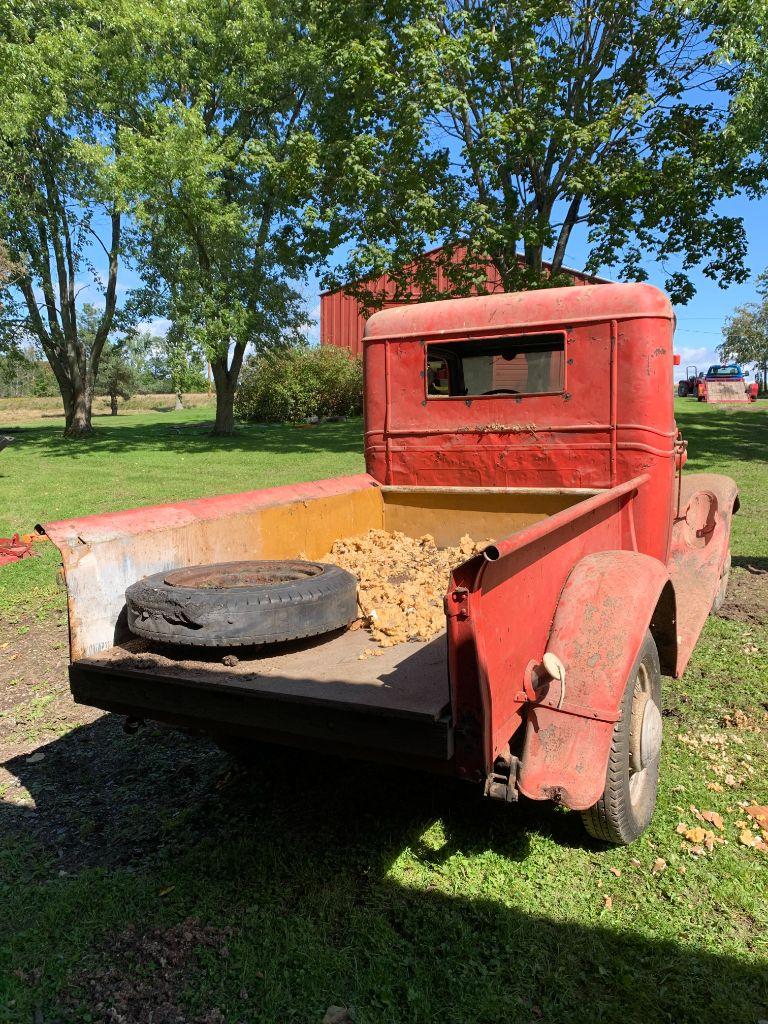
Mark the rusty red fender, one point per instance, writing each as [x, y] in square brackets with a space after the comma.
[605, 608]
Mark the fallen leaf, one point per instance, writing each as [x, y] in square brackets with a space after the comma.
[759, 814]
[682, 869]
[714, 787]
[607, 902]
[164, 892]
[659, 865]
[713, 818]
[34, 758]
[695, 834]
[635, 862]
[729, 780]
[615, 871]
[746, 838]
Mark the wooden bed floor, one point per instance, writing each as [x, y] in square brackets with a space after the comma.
[408, 680]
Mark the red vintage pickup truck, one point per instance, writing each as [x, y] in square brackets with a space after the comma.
[543, 420]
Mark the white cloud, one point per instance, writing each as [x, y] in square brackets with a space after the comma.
[693, 353]
[158, 326]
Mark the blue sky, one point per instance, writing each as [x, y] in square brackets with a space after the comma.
[700, 323]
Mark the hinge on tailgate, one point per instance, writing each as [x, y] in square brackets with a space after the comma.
[456, 605]
[501, 783]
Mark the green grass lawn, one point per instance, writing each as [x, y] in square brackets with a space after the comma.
[144, 460]
[404, 897]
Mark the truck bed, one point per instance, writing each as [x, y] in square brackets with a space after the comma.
[317, 689]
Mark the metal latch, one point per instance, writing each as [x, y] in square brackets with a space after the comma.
[456, 604]
[501, 783]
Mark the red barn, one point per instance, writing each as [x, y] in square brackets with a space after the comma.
[342, 325]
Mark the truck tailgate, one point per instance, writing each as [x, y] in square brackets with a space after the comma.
[395, 702]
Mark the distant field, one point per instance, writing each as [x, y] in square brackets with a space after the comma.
[20, 410]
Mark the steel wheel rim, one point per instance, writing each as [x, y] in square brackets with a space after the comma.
[645, 736]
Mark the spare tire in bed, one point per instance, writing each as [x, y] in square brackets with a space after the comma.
[237, 603]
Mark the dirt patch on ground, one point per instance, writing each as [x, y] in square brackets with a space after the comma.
[71, 781]
[747, 596]
[401, 581]
[144, 976]
[33, 675]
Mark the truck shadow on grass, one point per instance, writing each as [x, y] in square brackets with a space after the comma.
[100, 799]
[342, 883]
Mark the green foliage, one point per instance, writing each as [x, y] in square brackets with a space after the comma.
[291, 385]
[746, 332]
[117, 377]
[23, 374]
[543, 119]
[184, 362]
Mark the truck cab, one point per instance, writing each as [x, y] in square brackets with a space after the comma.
[542, 421]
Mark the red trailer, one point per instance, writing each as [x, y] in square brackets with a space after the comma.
[542, 420]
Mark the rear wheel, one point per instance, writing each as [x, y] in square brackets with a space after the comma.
[626, 807]
[722, 588]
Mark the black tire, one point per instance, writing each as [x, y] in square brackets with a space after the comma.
[626, 807]
[234, 604]
[682, 389]
[722, 588]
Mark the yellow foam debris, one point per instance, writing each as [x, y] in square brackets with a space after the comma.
[401, 581]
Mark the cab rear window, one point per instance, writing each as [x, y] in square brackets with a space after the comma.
[531, 364]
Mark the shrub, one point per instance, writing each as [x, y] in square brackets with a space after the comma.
[295, 384]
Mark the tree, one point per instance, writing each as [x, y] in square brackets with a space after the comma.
[8, 269]
[746, 332]
[59, 117]
[9, 272]
[184, 363]
[116, 378]
[229, 171]
[610, 121]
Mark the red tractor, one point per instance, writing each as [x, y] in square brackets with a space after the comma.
[686, 388]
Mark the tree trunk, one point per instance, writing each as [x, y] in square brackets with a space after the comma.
[225, 377]
[113, 404]
[224, 425]
[78, 415]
